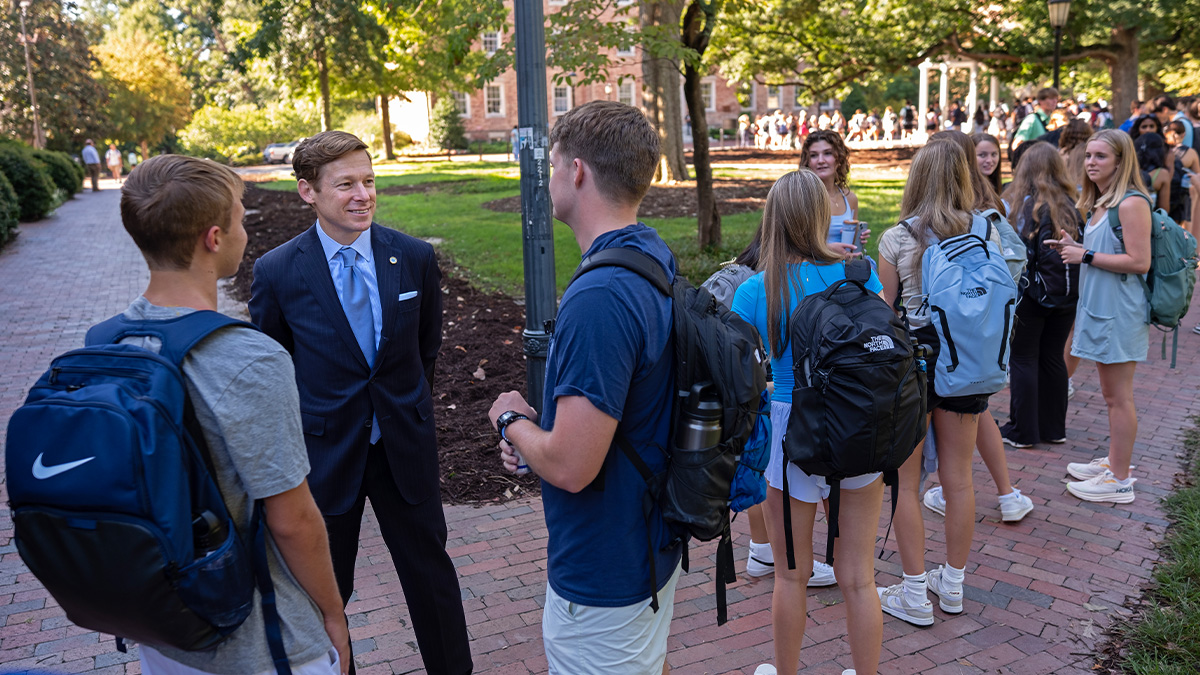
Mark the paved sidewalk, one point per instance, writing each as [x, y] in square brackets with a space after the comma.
[1039, 593]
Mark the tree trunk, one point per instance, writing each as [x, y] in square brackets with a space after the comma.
[697, 29]
[386, 124]
[661, 89]
[323, 77]
[145, 150]
[1123, 69]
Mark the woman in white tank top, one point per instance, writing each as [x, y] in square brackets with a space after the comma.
[826, 154]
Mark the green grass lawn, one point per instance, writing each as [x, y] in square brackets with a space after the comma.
[487, 244]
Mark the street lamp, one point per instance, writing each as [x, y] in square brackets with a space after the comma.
[1059, 9]
[38, 141]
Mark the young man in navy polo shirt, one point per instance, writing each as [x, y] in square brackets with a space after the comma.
[609, 373]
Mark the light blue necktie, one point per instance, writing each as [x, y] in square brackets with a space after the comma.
[356, 302]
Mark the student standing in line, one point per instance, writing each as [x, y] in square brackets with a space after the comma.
[937, 204]
[1111, 325]
[796, 262]
[1043, 197]
[1014, 506]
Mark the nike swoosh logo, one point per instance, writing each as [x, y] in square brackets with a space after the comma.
[42, 472]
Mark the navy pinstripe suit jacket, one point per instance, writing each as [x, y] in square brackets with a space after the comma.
[293, 300]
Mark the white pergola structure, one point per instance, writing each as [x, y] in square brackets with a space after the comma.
[944, 67]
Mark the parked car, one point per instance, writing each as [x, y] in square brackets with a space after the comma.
[280, 152]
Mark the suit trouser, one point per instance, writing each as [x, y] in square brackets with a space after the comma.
[1037, 374]
[94, 171]
[415, 535]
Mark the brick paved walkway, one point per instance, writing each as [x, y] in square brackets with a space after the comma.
[1039, 593]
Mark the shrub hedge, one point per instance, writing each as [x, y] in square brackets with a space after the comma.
[8, 209]
[30, 179]
[62, 170]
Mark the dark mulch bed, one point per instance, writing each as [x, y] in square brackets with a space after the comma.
[679, 200]
[480, 357]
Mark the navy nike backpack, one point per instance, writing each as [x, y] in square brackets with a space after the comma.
[114, 505]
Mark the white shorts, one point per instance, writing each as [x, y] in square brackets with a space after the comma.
[803, 487]
[154, 663]
[629, 640]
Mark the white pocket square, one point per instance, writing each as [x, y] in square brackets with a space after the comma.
[408, 296]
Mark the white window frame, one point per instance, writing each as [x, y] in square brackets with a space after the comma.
[492, 34]
[465, 99]
[632, 90]
[777, 96]
[486, 106]
[709, 85]
[558, 2]
[570, 98]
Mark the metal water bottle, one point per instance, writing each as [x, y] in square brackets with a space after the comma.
[699, 419]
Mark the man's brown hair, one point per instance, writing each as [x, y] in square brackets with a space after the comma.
[169, 201]
[616, 141]
[315, 152]
[1047, 92]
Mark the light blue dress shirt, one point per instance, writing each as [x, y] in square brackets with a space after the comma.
[365, 264]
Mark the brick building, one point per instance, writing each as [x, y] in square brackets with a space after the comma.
[490, 113]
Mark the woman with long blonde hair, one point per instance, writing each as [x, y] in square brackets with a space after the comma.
[1111, 325]
[1043, 200]
[937, 204]
[796, 262]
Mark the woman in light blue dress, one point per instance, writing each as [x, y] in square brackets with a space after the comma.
[1112, 319]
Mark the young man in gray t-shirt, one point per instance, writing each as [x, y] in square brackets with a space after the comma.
[243, 388]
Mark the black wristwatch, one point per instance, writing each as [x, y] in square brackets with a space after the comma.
[1087, 257]
[507, 418]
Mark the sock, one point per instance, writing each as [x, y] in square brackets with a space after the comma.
[761, 552]
[915, 589]
[1124, 483]
[954, 575]
[1010, 497]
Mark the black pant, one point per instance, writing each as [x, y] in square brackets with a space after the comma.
[415, 535]
[1038, 374]
[94, 172]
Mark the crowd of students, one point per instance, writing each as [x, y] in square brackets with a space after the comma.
[1080, 199]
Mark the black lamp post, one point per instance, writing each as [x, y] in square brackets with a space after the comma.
[1059, 9]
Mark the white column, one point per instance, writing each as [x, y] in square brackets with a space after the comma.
[944, 89]
[922, 99]
[993, 91]
[972, 98]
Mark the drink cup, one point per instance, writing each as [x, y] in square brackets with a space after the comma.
[522, 467]
[849, 230]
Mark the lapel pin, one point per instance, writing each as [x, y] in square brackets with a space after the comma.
[392, 260]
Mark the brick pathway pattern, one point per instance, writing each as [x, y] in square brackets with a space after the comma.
[1039, 594]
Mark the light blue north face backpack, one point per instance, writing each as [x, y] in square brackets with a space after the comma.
[970, 298]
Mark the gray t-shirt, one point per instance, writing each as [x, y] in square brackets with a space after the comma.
[243, 387]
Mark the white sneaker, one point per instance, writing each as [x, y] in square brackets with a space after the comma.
[934, 501]
[1012, 511]
[765, 669]
[756, 566]
[822, 575]
[1071, 387]
[949, 598]
[894, 601]
[1103, 488]
[1091, 469]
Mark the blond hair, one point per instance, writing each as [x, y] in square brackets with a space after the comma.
[939, 194]
[169, 201]
[1127, 176]
[794, 229]
[1042, 176]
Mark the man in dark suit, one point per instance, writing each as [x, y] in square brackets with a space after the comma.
[359, 307]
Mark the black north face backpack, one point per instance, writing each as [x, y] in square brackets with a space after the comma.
[718, 357]
[859, 400]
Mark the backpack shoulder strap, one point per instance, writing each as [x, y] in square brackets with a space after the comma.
[630, 259]
[178, 335]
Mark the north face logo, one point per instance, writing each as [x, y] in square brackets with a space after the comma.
[880, 343]
[977, 292]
